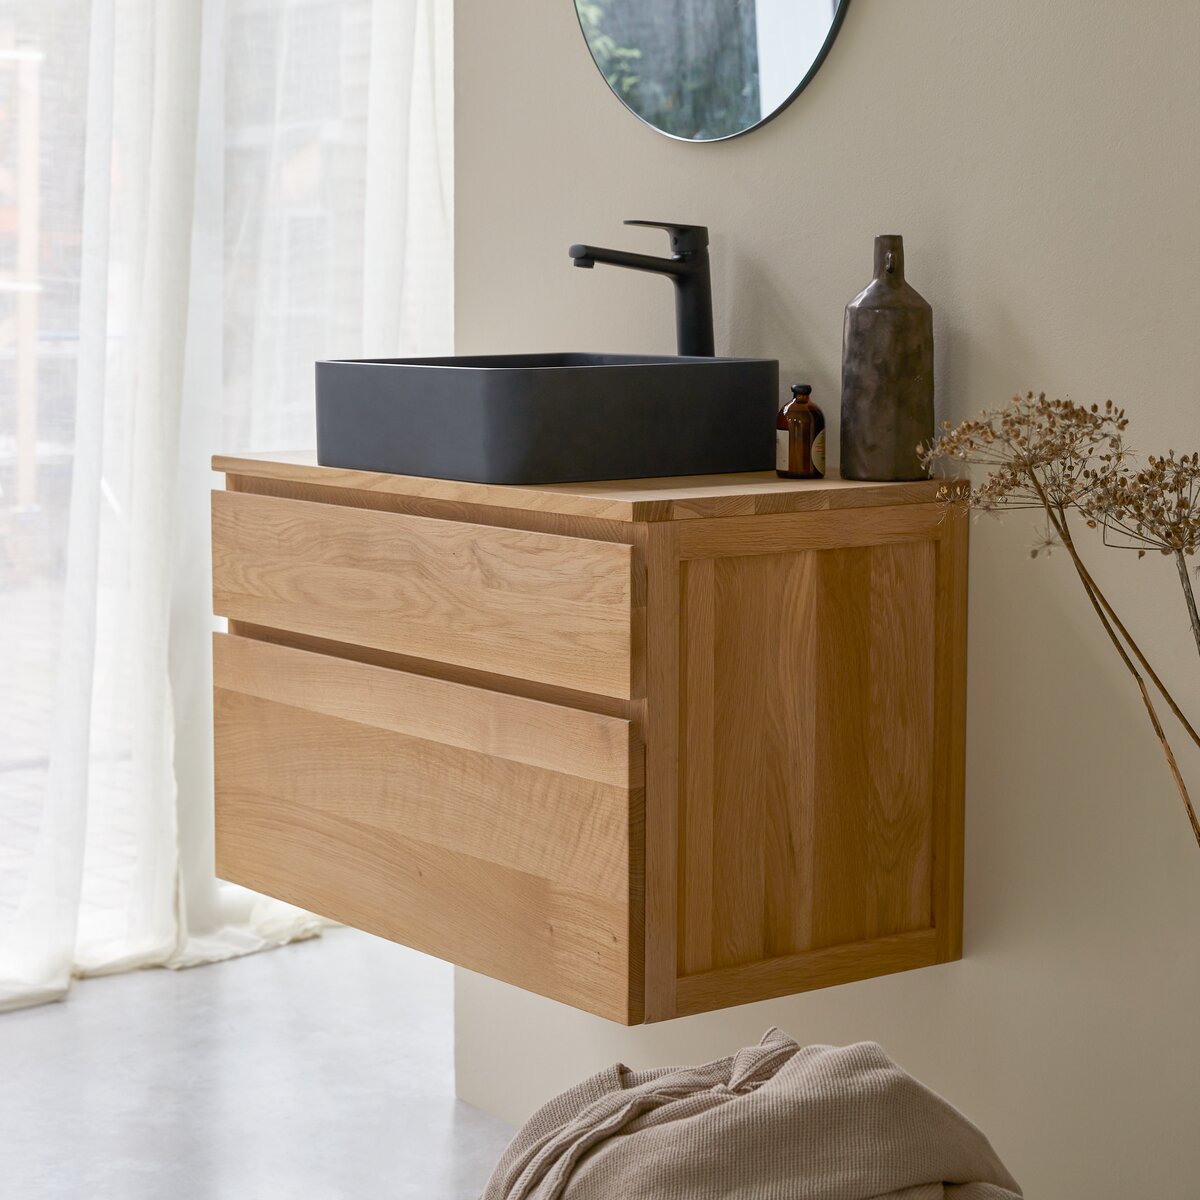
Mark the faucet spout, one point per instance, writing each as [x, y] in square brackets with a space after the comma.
[589, 256]
[688, 268]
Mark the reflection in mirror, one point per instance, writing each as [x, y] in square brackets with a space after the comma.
[708, 69]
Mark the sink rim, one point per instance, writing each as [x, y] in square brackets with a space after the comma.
[520, 362]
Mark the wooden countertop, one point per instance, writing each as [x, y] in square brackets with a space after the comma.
[673, 498]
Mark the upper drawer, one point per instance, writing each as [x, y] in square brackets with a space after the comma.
[532, 605]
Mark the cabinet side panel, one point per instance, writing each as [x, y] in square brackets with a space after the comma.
[873, 803]
[808, 751]
[951, 720]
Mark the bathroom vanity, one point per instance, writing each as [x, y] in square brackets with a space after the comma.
[649, 748]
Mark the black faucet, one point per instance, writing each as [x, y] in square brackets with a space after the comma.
[687, 267]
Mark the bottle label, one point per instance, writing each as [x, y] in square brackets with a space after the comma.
[783, 440]
[818, 452]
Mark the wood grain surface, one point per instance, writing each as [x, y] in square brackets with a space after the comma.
[809, 747]
[513, 602]
[673, 498]
[768, 978]
[658, 725]
[486, 829]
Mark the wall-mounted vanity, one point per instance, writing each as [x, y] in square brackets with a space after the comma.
[649, 748]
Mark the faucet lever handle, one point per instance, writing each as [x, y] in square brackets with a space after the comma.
[685, 239]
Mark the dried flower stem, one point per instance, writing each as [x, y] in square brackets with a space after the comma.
[1171, 763]
[1189, 596]
[1058, 520]
[1100, 604]
[1058, 456]
[1094, 589]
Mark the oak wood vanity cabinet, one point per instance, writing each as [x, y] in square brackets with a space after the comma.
[649, 748]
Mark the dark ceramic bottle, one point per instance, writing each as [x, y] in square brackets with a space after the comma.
[887, 373]
[800, 437]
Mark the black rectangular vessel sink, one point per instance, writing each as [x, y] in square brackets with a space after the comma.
[548, 418]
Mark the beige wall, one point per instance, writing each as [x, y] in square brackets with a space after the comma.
[1043, 163]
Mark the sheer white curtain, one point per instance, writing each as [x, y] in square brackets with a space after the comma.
[197, 199]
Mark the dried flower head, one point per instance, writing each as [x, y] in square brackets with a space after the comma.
[1038, 451]
[1156, 508]
[1041, 454]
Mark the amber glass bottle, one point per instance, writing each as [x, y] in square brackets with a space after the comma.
[800, 437]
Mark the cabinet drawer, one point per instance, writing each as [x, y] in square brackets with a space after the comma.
[536, 606]
[498, 832]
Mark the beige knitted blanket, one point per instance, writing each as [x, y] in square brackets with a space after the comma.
[774, 1122]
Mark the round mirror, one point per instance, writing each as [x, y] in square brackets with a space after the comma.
[703, 70]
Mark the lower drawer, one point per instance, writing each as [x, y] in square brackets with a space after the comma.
[500, 833]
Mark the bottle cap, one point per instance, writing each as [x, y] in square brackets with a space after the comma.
[801, 389]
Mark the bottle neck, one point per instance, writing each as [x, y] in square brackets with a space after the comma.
[889, 258]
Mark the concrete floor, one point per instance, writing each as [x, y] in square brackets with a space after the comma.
[319, 1071]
